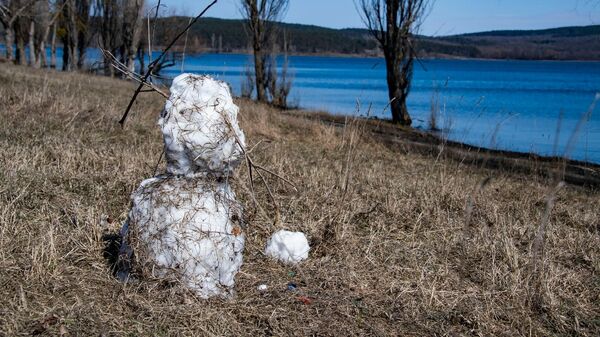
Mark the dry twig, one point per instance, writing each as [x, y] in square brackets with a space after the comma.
[153, 64]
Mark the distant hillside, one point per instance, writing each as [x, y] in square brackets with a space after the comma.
[230, 36]
[556, 32]
[567, 43]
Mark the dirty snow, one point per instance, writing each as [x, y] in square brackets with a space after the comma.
[190, 230]
[185, 226]
[288, 247]
[199, 125]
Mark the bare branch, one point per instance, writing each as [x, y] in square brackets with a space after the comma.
[151, 66]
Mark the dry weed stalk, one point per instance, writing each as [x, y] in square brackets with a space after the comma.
[538, 246]
[253, 167]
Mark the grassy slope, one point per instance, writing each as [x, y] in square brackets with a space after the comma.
[391, 252]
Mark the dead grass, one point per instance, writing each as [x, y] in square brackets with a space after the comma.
[391, 255]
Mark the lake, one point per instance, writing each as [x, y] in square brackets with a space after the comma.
[509, 105]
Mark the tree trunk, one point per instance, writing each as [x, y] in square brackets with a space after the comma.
[42, 58]
[81, 27]
[65, 58]
[53, 47]
[397, 91]
[81, 55]
[260, 75]
[141, 56]
[70, 60]
[21, 58]
[9, 38]
[132, 27]
[32, 57]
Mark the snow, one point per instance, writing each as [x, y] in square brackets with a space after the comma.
[189, 230]
[288, 247]
[185, 226]
[199, 125]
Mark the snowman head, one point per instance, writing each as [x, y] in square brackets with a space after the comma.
[200, 127]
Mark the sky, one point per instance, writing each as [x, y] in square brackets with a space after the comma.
[447, 17]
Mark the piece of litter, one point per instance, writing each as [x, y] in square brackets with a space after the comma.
[291, 286]
[262, 287]
[304, 300]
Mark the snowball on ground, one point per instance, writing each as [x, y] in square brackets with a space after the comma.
[199, 125]
[187, 230]
[288, 247]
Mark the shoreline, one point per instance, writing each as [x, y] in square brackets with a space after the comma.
[574, 172]
[370, 56]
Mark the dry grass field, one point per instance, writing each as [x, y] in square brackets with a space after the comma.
[396, 250]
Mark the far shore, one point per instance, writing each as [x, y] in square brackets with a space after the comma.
[377, 56]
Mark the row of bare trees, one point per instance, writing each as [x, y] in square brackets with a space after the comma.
[121, 24]
[119, 27]
[72, 23]
[22, 21]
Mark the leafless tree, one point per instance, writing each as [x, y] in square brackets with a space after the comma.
[10, 12]
[279, 81]
[394, 23]
[110, 27]
[132, 28]
[21, 28]
[120, 30]
[83, 30]
[261, 17]
[44, 15]
[74, 26]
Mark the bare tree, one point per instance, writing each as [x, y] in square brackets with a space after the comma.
[53, 44]
[394, 23]
[132, 28]
[44, 16]
[83, 30]
[111, 25]
[10, 12]
[69, 36]
[120, 30]
[279, 81]
[21, 28]
[261, 17]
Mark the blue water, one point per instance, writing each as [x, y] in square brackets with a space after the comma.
[509, 105]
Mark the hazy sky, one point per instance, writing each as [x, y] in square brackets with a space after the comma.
[447, 17]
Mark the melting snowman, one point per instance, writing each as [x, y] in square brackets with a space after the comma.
[185, 226]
